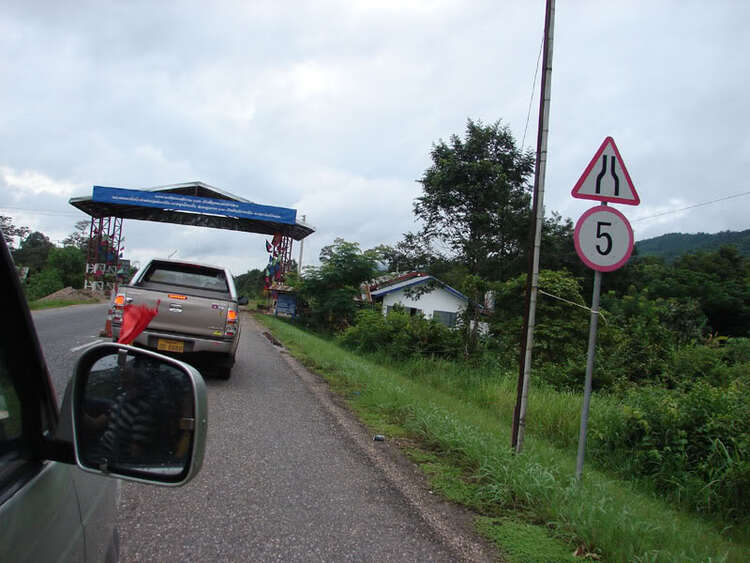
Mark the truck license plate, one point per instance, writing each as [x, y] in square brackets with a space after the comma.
[170, 345]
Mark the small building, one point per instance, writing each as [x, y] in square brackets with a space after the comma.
[421, 293]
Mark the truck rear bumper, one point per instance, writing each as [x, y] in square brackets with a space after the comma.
[182, 344]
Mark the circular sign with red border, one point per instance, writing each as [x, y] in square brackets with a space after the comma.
[603, 238]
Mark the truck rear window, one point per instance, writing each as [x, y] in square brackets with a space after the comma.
[187, 276]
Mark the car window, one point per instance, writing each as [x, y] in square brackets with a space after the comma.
[10, 407]
[188, 276]
[11, 426]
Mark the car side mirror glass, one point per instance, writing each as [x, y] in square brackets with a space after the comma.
[138, 415]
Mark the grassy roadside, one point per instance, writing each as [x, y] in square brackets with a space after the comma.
[55, 303]
[529, 504]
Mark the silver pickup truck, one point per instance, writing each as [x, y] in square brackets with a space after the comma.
[197, 317]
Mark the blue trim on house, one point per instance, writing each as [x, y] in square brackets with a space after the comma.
[417, 281]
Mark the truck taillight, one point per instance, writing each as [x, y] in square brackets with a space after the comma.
[231, 326]
[117, 307]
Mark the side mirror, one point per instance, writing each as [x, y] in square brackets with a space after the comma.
[138, 415]
[242, 300]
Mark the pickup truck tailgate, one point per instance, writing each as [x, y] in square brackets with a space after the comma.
[183, 313]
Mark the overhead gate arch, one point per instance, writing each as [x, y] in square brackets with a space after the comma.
[191, 203]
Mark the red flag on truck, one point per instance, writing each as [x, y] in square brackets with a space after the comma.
[135, 319]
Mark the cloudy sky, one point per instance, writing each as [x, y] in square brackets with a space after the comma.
[331, 108]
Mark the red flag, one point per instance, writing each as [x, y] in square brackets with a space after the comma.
[135, 319]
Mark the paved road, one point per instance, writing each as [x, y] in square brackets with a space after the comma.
[65, 333]
[284, 478]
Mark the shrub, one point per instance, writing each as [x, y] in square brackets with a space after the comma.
[692, 444]
[400, 335]
[42, 284]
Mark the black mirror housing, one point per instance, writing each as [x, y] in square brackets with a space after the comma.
[138, 415]
[242, 300]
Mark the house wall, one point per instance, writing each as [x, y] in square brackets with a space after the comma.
[437, 300]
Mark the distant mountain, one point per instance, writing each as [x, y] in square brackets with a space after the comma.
[673, 245]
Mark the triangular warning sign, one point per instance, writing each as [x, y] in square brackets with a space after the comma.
[606, 178]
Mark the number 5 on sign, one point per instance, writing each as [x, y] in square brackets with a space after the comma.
[603, 238]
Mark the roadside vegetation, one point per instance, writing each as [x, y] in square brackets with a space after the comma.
[56, 303]
[454, 420]
[44, 267]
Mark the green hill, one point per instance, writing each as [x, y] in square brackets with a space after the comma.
[672, 245]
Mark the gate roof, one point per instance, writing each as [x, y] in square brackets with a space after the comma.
[151, 211]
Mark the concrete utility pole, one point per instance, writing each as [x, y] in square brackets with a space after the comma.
[532, 280]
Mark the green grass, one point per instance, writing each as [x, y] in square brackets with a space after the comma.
[512, 494]
[54, 303]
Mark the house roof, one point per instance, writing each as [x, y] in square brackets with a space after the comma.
[391, 278]
[417, 280]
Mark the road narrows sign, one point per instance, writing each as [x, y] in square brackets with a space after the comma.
[603, 238]
[606, 178]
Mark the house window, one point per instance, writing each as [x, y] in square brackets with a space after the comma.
[412, 311]
[445, 317]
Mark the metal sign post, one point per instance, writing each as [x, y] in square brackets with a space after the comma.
[589, 372]
[604, 241]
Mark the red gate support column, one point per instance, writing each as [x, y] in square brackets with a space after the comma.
[103, 255]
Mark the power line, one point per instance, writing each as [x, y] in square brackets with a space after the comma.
[40, 211]
[691, 207]
[533, 88]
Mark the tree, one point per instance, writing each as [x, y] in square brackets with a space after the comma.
[558, 248]
[43, 283]
[476, 199]
[33, 251]
[79, 237]
[330, 290]
[719, 281]
[70, 264]
[412, 253]
[251, 283]
[11, 232]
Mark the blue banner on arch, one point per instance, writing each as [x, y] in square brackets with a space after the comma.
[194, 204]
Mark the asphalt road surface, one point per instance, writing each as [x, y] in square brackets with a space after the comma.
[288, 475]
[65, 333]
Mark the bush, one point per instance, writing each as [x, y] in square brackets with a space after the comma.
[400, 335]
[43, 284]
[693, 444]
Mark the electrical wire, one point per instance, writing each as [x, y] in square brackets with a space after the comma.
[571, 303]
[533, 89]
[39, 211]
[690, 207]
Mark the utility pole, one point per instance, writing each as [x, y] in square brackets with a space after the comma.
[532, 279]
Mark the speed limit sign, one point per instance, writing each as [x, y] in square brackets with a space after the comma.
[603, 238]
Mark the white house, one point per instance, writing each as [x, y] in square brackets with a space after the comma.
[420, 293]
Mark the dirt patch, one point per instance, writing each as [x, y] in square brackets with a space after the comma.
[70, 294]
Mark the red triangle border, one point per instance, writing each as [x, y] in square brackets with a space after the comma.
[587, 171]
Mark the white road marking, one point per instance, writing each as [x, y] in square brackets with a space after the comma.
[89, 345]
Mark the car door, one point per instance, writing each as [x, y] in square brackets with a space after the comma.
[39, 514]
[40, 504]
